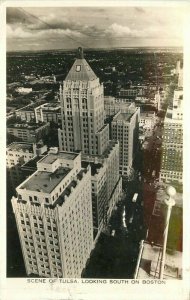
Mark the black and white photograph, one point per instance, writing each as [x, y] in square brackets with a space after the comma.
[94, 145]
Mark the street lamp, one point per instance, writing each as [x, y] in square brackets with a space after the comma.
[171, 191]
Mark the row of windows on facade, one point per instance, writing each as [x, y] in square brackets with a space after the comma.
[69, 112]
[172, 134]
[171, 166]
[171, 154]
[173, 140]
[120, 135]
[68, 100]
[176, 147]
[39, 220]
[120, 128]
[36, 218]
[52, 222]
[43, 257]
[172, 125]
[18, 155]
[42, 249]
[71, 107]
[168, 176]
[84, 124]
[37, 225]
[44, 266]
[173, 129]
[121, 143]
[173, 157]
[86, 141]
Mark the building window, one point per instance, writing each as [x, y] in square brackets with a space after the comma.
[78, 68]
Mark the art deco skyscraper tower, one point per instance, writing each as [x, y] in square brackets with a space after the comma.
[82, 104]
[83, 129]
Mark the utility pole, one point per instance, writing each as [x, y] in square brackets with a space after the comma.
[169, 203]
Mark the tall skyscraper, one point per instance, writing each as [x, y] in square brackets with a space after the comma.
[83, 129]
[125, 127]
[82, 108]
[53, 211]
[172, 146]
[62, 207]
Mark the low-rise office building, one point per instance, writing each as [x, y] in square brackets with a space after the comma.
[18, 154]
[45, 112]
[147, 119]
[28, 132]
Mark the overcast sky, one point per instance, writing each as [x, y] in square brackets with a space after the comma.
[65, 28]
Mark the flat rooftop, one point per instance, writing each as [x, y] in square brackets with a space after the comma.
[43, 181]
[147, 114]
[51, 107]
[22, 147]
[25, 125]
[123, 117]
[31, 107]
[51, 157]
[108, 100]
[32, 163]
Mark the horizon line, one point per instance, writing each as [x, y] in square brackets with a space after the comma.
[99, 48]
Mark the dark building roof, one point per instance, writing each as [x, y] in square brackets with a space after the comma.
[31, 165]
[94, 166]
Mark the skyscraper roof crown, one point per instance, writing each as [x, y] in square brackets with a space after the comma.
[81, 69]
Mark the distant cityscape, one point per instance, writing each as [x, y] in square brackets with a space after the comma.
[95, 163]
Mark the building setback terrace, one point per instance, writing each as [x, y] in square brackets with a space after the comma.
[50, 158]
[94, 167]
[107, 152]
[45, 182]
[67, 191]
